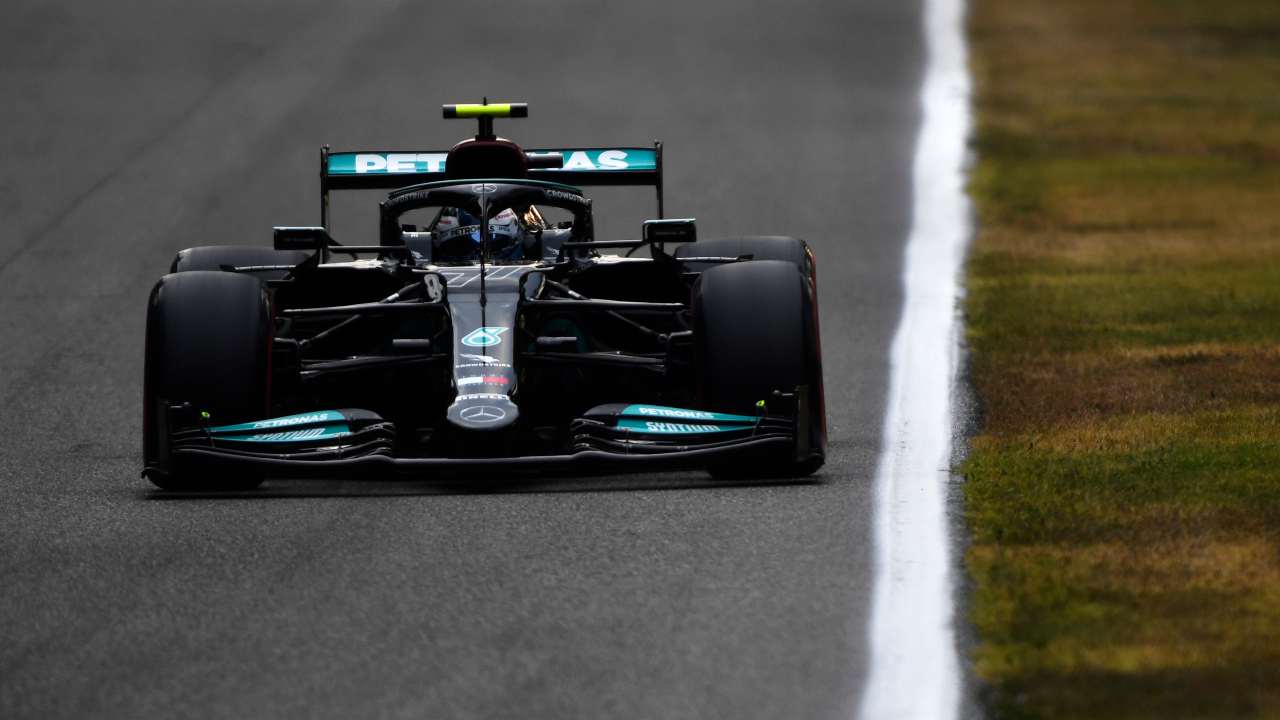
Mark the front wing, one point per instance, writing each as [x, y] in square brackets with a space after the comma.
[611, 438]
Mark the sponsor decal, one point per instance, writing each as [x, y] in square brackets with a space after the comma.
[482, 396]
[605, 160]
[482, 414]
[393, 163]
[562, 195]
[484, 188]
[483, 380]
[666, 427]
[659, 411]
[464, 231]
[299, 435]
[287, 421]
[294, 435]
[292, 420]
[486, 336]
[673, 412]
[487, 366]
[406, 163]
[479, 359]
[661, 427]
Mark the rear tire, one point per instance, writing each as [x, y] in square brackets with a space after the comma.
[755, 325]
[209, 340]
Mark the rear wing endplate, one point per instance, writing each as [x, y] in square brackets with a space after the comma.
[387, 169]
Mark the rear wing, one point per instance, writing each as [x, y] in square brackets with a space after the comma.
[387, 169]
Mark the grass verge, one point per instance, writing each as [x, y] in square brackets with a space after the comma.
[1123, 314]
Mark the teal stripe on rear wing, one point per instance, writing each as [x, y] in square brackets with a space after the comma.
[375, 169]
[388, 169]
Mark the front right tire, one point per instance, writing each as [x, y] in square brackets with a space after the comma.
[756, 331]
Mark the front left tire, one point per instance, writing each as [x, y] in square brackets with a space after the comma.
[209, 337]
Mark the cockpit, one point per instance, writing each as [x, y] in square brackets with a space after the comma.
[513, 235]
[527, 221]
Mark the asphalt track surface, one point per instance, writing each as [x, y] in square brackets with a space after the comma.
[131, 130]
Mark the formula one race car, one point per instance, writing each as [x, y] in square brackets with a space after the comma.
[484, 333]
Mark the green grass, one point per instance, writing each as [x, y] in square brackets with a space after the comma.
[1123, 315]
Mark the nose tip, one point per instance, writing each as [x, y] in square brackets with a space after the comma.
[482, 412]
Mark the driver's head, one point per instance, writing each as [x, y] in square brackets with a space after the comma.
[456, 236]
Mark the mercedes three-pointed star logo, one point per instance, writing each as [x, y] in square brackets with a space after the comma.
[482, 414]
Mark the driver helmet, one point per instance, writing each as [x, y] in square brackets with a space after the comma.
[456, 236]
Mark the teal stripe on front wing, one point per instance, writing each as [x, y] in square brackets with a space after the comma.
[664, 427]
[307, 434]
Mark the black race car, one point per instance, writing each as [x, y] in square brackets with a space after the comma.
[485, 333]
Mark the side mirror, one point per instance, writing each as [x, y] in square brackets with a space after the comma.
[659, 232]
[300, 238]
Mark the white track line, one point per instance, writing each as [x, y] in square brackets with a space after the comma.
[914, 669]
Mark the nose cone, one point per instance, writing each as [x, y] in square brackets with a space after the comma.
[482, 412]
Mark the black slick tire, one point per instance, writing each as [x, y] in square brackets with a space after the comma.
[755, 329]
[209, 338]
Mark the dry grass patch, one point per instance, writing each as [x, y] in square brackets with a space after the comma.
[1134, 433]
[1124, 317]
[1077, 625]
[1078, 391]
